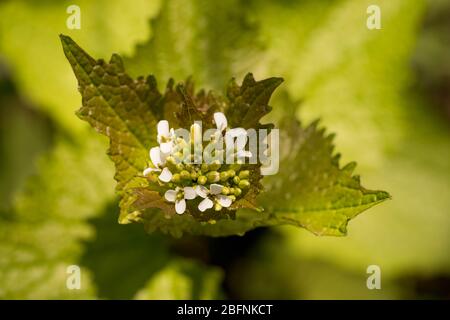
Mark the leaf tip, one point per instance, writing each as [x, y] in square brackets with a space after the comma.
[383, 195]
[66, 41]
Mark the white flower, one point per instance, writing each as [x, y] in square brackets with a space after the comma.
[165, 175]
[187, 193]
[170, 146]
[214, 190]
[147, 171]
[158, 160]
[221, 121]
[165, 137]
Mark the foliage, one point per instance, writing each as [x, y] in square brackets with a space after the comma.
[357, 81]
[125, 110]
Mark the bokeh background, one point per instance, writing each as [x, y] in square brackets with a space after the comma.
[385, 93]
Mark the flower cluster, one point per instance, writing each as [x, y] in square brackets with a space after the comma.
[183, 175]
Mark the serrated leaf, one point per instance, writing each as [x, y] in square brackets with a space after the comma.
[124, 110]
[249, 102]
[146, 199]
[311, 190]
[361, 87]
[117, 105]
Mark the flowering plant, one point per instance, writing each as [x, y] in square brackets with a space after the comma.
[176, 183]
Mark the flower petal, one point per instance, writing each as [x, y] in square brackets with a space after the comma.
[147, 171]
[163, 128]
[155, 156]
[224, 201]
[205, 204]
[170, 195]
[166, 147]
[215, 188]
[189, 193]
[180, 206]
[220, 120]
[202, 191]
[165, 175]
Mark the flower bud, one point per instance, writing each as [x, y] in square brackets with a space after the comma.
[243, 184]
[171, 160]
[185, 175]
[224, 176]
[178, 156]
[236, 179]
[202, 180]
[171, 163]
[225, 190]
[204, 167]
[176, 178]
[213, 176]
[244, 174]
[180, 167]
[235, 166]
[215, 165]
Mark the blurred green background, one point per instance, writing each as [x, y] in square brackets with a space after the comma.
[386, 93]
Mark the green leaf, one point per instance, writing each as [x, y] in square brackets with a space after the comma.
[118, 107]
[124, 109]
[183, 279]
[31, 47]
[211, 40]
[24, 135]
[361, 87]
[63, 218]
[249, 102]
[311, 190]
[43, 235]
